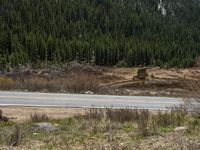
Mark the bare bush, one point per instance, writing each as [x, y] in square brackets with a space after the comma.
[16, 138]
[121, 115]
[96, 114]
[142, 121]
[37, 117]
[72, 82]
[192, 100]
[168, 118]
[7, 83]
[81, 82]
[38, 84]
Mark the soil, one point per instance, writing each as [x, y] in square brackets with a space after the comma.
[21, 114]
[106, 80]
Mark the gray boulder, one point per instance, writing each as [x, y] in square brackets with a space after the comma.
[44, 126]
[180, 129]
[89, 92]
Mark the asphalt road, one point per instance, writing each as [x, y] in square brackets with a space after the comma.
[86, 101]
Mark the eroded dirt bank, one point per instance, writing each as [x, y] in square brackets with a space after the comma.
[78, 78]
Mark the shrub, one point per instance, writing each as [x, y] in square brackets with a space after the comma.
[192, 100]
[121, 115]
[7, 83]
[16, 137]
[142, 121]
[37, 84]
[91, 114]
[169, 118]
[37, 117]
[77, 83]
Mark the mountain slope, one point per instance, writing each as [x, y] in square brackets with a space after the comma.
[103, 32]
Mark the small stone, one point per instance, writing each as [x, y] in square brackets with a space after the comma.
[35, 133]
[89, 92]
[181, 128]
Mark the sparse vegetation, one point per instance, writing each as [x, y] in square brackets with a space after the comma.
[81, 82]
[78, 82]
[192, 99]
[7, 83]
[37, 117]
[77, 78]
[107, 129]
[16, 138]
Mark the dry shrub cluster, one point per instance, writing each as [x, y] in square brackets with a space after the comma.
[96, 114]
[121, 115]
[38, 84]
[77, 83]
[192, 100]
[16, 138]
[73, 83]
[37, 117]
[12, 136]
[7, 83]
[169, 118]
[142, 121]
[147, 122]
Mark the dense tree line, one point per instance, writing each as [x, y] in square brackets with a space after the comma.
[103, 32]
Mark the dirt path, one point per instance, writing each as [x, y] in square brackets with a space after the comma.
[20, 114]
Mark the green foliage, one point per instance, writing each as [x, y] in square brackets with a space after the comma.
[106, 32]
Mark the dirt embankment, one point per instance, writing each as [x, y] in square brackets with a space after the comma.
[22, 114]
[78, 78]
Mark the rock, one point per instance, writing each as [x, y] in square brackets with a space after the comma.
[2, 118]
[153, 93]
[181, 128]
[35, 134]
[89, 92]
[44, 126]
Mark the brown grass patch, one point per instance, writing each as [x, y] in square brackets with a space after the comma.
[37, 117]
[7, 83]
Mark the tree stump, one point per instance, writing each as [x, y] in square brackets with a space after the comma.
[142, 74]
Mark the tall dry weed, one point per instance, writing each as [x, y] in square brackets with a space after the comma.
[7, 83]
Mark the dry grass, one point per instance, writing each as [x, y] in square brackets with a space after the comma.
[192, 100]
[169, 118]
[77, 83]
[16, 138]
[95, 130]
[38, 84]
[121, 115]
[142, 121]
[37, 117]
[7, 83]
[93, 114]
[71, 83]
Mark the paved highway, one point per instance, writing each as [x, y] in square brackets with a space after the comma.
[86, 101]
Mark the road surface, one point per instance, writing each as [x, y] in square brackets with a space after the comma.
[86, 101]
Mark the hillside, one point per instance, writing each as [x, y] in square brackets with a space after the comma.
[100, 32]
